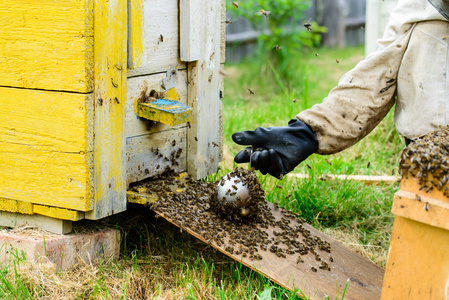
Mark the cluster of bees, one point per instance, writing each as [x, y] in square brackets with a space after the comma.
[271, 230]
[427, 159]
[172, 158]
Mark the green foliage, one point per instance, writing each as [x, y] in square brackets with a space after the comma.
[282, 34]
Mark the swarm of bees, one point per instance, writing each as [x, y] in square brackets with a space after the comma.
[427, 159]
[252, 236]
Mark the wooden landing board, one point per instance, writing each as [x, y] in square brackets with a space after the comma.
[188, 209]
[364, 277]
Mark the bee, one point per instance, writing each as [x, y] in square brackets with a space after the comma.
[444, 37]
[331, 259]
[418, 197]
[279, 186]
[263, 12]
[215, 144]
[161, 38]
[210, 78]
[251, 92]
[392, 172]
[328, 162]
[188, 125]
[212, 56]
[308, 26]
[426, 207]
[308, 166]
[294, 100]
[316, 54]
[196, 139]
[288, 196]
[228, 22]
[277, 47]
[173, 143]
[368, 164]
[313, 269]
[236, 5]
[337, 61]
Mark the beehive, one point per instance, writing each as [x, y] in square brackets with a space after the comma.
[73, 76]
[418, 263]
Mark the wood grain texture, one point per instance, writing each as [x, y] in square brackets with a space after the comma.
[57, 226]
[44, 144]
[142, 86]
[418, 262]
[47, 44]
[142, 160]
[159, 42]
[190, 29]
[364, 278]
[110, 56]
[58, 213]
[203, 95]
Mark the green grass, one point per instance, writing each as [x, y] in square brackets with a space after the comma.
[159, 261]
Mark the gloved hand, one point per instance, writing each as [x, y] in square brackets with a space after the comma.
[276, 150]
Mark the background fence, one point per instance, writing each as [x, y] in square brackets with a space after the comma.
[344, 19]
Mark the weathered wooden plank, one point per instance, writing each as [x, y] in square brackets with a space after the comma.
[223, 32]
[58, 226]
[44, 147]
[142, 86]
[363, 278]
[157, 49]
[149, 155]
[47, 44]
[189, 29]
[58, 213]
[45, 177]
[135, 32]
[49, 121]
[165, 111]
[203, 95]
[15, 206]
[110, 57]
[367, 179]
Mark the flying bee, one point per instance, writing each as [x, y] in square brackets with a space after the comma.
[236, 5]
[251, 91]
[316, 54]
[264, 13]
[309, 167]
[228, 22]
[308, 26]
[328, 162]
[279, 186]
[337, 61]
[294, 100]
[277, 47]
[368, 164]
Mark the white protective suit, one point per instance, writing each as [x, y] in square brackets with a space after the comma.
[411, 63]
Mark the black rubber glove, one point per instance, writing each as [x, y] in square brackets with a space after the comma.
[276, 150]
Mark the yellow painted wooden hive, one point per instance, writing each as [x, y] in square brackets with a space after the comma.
[73, 75]
[418, 263]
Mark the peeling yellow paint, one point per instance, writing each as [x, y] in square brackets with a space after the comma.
[110, 61]
[135, 33]
[58, 213]
[16, 206]
[44, 147]
[46, 44]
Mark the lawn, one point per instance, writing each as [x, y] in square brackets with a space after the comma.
[160, 261]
